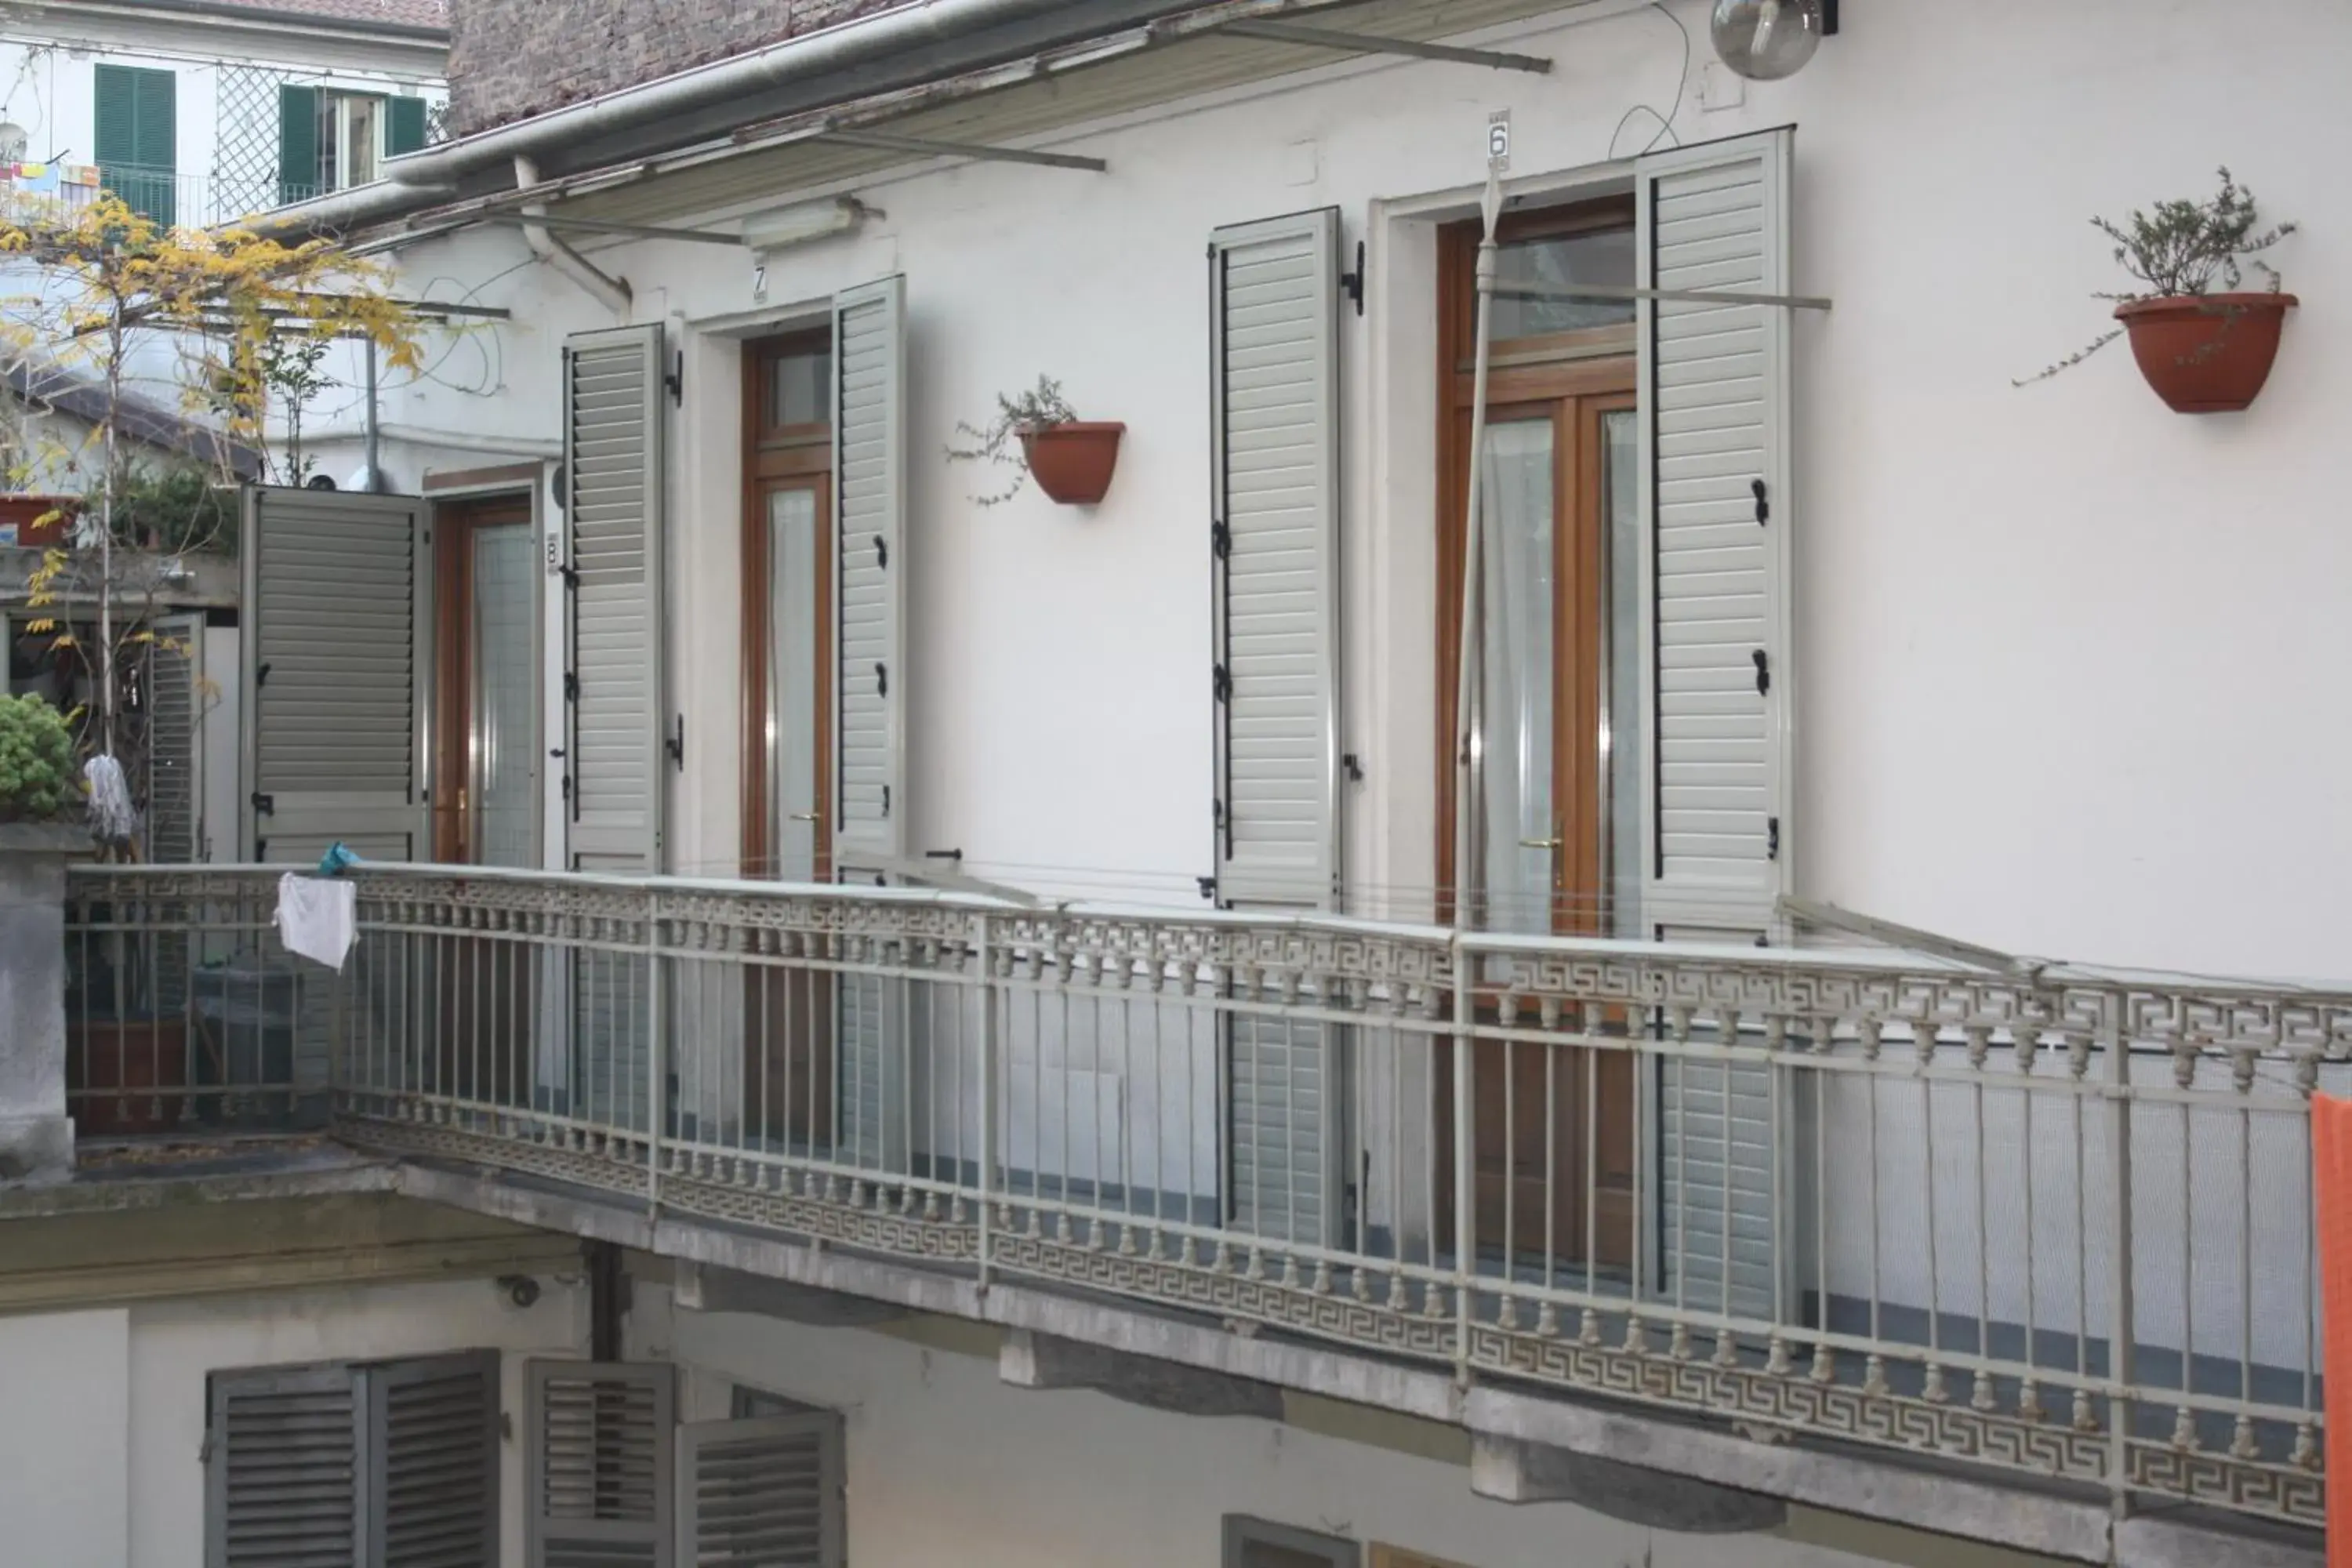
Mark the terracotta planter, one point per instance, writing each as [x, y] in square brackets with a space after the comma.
[1072, 462]
[126, 1078]
[2209, 354]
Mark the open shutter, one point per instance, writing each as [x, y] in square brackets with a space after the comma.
[281, 1468]
[612, 506]
[869, 423]
[404, 125]
[766, 1491]
[175, 706]
[1274, 402]
[136, 137]
[336, 679]
[297, 144]
[598, 1465]
[1718, 508]
[432, 1462]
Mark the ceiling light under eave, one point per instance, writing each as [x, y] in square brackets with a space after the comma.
[799, 225]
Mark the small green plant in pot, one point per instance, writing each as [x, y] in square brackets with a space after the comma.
[1071, 459]
[2203, 349]
[37, 780]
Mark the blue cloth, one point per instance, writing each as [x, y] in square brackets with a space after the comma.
[337, 860]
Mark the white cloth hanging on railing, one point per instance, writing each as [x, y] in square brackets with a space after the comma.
[317, 917]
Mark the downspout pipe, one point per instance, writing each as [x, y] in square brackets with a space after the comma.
[906, 32]
[611, 292]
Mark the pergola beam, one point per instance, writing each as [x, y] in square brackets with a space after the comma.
[1274, 32]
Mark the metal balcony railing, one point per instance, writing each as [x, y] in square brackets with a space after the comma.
[167, 197]
[2057, 1222]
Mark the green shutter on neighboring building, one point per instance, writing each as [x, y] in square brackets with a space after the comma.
[404, 125]
[297, 144]
[136, 138]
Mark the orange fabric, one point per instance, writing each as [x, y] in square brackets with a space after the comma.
[2331, 1167]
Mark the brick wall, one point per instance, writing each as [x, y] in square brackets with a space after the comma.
[512, 58]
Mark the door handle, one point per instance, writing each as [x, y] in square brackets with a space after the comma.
[1539, 843]
[805, 816]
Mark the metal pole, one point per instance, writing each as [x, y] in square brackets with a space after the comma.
[1465, 839]
[989, 1132]
[373, 434]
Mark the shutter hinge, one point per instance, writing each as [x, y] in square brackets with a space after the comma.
[1353, 282]
[1220, 540]
[1763, 672]
[1772, 838]
[1208, 888]
[881, 552]
[571, 688]
[267, 804]
[881, 680]
[676, 379]
[570, 572]
[260, 675]
[1221, 681]
[1355, 766]
[678, 742]
[204, 1449]
[1217, 812]
[885, 800]
[1763, 503]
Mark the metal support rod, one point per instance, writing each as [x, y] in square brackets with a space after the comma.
[2122, 1374]
[657, 1059]
[887, 141]
[989, 1131]
[598, 226]
[1465, 839]
[1628, 291]
[372, 442]
[1274, 32]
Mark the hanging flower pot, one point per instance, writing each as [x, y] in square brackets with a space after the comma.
[1073, 460]
[2206, 354]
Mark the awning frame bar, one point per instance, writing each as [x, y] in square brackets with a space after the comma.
[1280, 32]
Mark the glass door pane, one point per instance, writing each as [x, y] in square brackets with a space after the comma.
[505, 698]
[793, 598]
[1514, 749]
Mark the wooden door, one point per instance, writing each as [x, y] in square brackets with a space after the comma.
[1553, 1127]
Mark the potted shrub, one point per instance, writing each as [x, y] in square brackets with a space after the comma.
[2204, 350]
[1071, 458]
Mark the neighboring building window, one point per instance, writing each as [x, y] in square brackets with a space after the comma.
[331, 140]
[136, 138]
[371, 1463]
[1256, 1544]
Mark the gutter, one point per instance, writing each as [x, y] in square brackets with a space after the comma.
[341, 27]
[611, 292]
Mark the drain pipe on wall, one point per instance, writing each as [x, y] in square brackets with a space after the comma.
[612, 293]
[371, 442]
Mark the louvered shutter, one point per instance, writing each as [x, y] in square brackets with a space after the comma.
[613, 460]
[404, 125]
[598, 1465]
[297, 144]
[175, 704]
[869, 804]
[283, 1470]
[136, 137]
[767, 1491]
[336, 679]
[1274, 403]
[1716, 404]
[1718, 510]
[432, 1462]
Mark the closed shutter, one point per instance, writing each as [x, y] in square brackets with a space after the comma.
[281, 1470]
[136, 137]
[598, 1465]
[1717, 506]
[336, 677]
[613, 506]
[404, 125]
[297, 144]
[870, 574]
[767, 1491]
[1273, 403]
[433, 1462]
[174, 762]
[1717, 510]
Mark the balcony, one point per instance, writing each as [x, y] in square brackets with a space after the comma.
[168, 197]
[2055, 1224]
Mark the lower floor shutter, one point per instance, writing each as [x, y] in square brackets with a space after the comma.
[767, 1491]
[281, 1468]
[1721, 1129]
[598, 1465]
[433, 1462]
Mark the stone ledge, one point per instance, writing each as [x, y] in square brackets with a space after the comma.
[1864, 1485]
[44, 838]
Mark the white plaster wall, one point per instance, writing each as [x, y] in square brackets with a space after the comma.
[2065, 655]
[65, 1435]
[174, 1345]
[948, 1464]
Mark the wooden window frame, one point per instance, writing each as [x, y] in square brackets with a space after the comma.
[452, 720]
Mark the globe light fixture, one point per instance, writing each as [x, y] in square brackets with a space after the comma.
[1765, 40]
